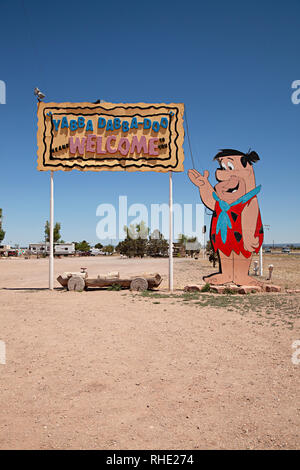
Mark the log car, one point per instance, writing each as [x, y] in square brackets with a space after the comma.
[80, 281]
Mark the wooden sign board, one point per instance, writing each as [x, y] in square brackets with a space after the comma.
[109, 136]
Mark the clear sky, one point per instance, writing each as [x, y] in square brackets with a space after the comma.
[232, 63]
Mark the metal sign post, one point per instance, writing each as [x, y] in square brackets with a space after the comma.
[51, 232]
[261, 271]
[170, 232]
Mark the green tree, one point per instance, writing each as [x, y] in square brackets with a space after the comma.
[157, 245]
[56, 232]
[140, 247]
[99, 246]
[127, 247]
[135, 243]
[108, 249]
[211, 254]
[137, 231]
[2, 233]
[142, 230]
[82, 246]
[183, 239]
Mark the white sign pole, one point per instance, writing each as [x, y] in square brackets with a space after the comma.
[51, 232]
[261, 261]
[170, 232]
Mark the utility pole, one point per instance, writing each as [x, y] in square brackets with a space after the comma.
[261, 271]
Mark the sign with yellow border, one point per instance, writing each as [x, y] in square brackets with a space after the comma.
[110, 136]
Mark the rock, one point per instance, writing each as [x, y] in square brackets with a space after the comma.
[217, 289]
[272, 288]
[293, 291]
[249, 289]
[192, 288]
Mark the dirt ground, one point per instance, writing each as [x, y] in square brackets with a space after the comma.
[121, 370]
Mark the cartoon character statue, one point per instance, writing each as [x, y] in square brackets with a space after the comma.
[236, 227]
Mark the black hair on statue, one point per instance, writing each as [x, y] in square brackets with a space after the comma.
[250, 157]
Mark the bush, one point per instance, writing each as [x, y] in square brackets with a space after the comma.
[228, 291]
[115, 287]
[205, 288]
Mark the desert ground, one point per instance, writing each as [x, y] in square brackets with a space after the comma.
[107, 369]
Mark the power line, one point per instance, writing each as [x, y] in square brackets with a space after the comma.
[188, 135]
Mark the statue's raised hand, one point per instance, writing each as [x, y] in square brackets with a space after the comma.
[197, 178]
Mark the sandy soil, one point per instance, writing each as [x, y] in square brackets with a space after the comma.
[118, 370]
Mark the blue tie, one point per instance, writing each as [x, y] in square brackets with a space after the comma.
[223, 220]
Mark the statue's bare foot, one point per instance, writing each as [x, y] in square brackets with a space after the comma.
[217, 279]
[247, 281]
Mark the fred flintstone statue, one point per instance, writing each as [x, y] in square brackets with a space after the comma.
[236, 227]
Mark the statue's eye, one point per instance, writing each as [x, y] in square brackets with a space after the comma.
[223, 166]
[230, 166]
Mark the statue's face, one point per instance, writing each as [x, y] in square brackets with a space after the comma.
[234, 180]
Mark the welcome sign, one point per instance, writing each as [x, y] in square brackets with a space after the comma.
[107, 136]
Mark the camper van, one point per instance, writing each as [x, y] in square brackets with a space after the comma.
[63, 249]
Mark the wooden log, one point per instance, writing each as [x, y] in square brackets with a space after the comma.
[76, 283]
[63, 281]
[153, 281]
[139, 284]
[111, 275]
[68, 274]
[100, 282]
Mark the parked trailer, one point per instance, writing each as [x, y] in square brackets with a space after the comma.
[59, 248]
[80, 281]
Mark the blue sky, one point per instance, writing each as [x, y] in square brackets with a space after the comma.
[231, 63]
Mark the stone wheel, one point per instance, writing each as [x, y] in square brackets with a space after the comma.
[76, 283]
[139, 284]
